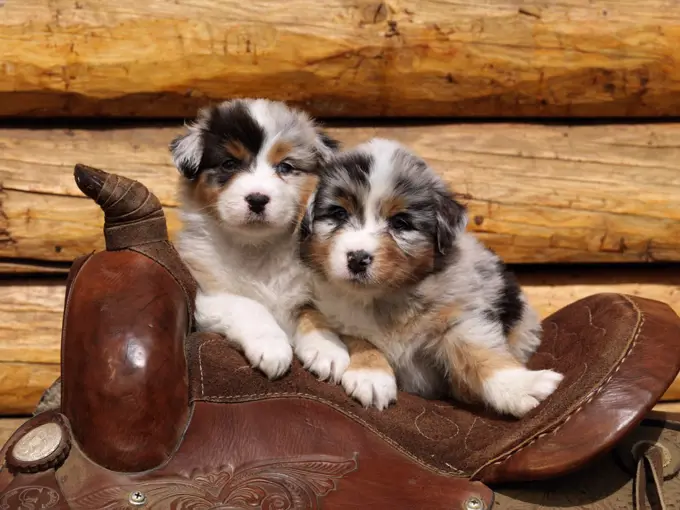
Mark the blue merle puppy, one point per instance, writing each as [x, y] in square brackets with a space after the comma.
[420, 302]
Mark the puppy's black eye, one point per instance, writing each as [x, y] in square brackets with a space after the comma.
[337, 213]
[229, 164]
[400, 222]
[285, 168]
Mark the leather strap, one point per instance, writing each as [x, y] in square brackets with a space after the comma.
[124, 226]
[152, 229]
[133, 215]
[650, 496]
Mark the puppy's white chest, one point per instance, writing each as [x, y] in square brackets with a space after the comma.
[277, 280]
[270, 275]
[345, 317]
[400, 341]
[361, 320]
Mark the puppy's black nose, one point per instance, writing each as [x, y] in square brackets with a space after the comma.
[358, 261]
[257, 202]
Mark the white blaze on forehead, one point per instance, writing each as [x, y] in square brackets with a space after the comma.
[279, 123]
[269, 118]
[264, 115]
[277, 118]
[262, 157]
[381, 178]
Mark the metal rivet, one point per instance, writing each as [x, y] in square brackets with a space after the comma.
[137, 498]
[474, 504]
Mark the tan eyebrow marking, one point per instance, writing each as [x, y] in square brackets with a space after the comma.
[237, 150]
[391, 206]
[278, 152]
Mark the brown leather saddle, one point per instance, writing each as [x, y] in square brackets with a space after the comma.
[156, 416]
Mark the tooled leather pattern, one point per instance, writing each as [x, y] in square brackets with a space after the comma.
[30, 497]
[298, 484]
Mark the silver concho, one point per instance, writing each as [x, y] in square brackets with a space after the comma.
[38, 443]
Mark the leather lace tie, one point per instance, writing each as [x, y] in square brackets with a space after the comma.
[650, 496]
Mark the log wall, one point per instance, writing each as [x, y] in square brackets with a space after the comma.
[7, 428]
[342, 58]
[536, 193]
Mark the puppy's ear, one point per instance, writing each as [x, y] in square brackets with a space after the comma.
[451, 220]
[187, 151]
[326, 145]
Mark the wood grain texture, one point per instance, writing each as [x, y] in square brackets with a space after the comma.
[668, 407]
[535, 193]
[30, 343]
[673, 392]
[22, 385]
[30, 323]
[30, 319]
[7, 428]
[26, 267]
[342, 57]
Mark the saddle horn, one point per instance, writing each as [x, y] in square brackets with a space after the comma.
[132, 214]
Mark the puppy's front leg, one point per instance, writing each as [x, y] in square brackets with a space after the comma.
[484, 370]
[369, 378]
[250, 326]
[317, 347]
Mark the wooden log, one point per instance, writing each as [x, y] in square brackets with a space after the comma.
[673, 392]
[535, 193]
[551, 288]
[23, 384]
[39, 267]
[342, 57]
[668, 407]
[7, 428]
[30, 320]
[30, 343]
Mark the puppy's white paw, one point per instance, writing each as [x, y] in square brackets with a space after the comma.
[517, 391]
[269, 351]
[322, 353]
[370, 386]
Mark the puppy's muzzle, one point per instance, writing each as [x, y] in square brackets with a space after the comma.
[257, 202]
[358, 261]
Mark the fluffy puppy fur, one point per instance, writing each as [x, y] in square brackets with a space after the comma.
[249, 168]
[395, 266]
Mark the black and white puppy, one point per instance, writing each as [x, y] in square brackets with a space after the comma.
[248, 169]
[395, 267]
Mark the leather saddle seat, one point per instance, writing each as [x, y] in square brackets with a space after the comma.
[156, 415]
